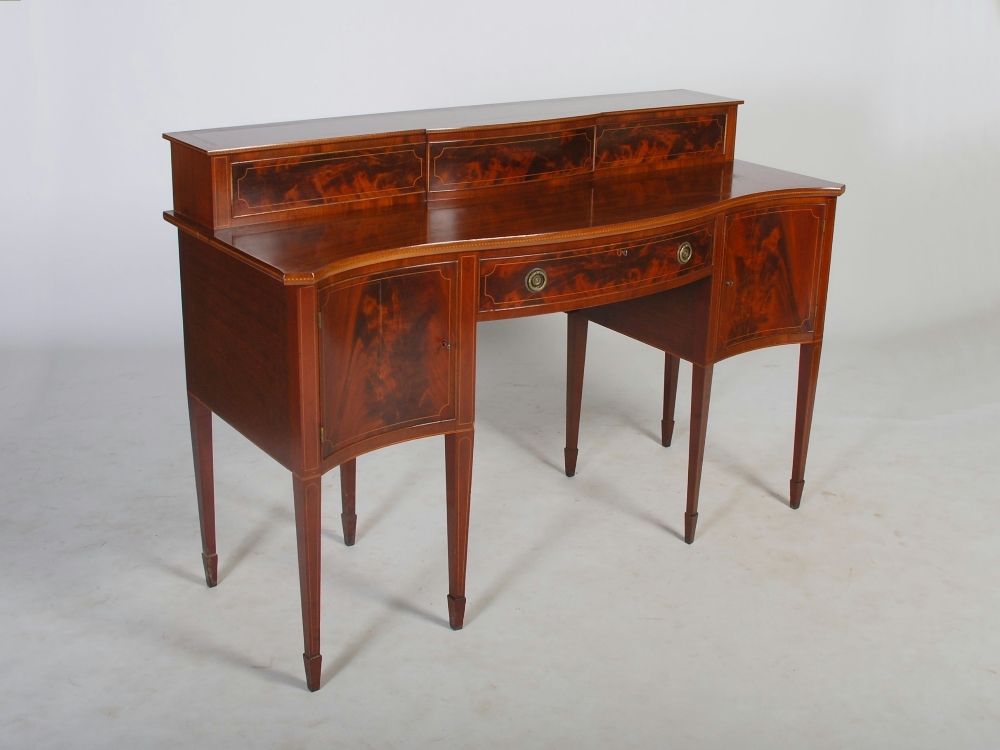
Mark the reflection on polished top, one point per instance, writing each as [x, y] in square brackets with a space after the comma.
[251, 137]
[312, 249]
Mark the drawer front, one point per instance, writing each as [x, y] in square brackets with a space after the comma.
[628, 144]
[298, 181]
[488, 161]
[591, 272]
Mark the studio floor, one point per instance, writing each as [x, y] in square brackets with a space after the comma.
[866, 619]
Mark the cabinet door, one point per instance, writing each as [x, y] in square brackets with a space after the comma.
[387, 359]
[769, 274]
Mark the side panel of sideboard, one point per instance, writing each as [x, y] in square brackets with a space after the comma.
[236, 344]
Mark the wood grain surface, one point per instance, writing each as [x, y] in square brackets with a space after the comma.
[387, 354]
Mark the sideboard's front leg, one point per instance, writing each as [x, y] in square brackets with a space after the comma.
[576, 355]
[808, 377]
[348, 485]
[671, 368]
[204, 479]
[458, 478]
[308, 525]
[701, 392]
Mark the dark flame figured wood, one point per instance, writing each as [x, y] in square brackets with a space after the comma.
[769, 273]
[267, 185]
[652, 141]
[387, 354]
[508, 159]
[592, 271]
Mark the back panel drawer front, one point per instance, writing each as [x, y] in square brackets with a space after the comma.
[609, 268]
[654, 142]
[339, 175]
[492, 158]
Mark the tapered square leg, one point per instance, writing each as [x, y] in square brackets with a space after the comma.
[701, 392]
[204, 479]
[308, 525]
[348, 484]
[576, 355]
[671, 368]
[808, 378]
[458, 479]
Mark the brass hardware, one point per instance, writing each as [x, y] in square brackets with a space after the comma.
[322, 435]
[536, 280]
[445, 344]
[729, 283]
[684, 252]
[622, 253]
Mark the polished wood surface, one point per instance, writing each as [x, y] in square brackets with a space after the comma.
[769, 272]
[387, 354]
[348, 493]
[573, 273]
[270, 185]
[240, 176]
[308, 251]
[248, 137]
[671, 371]
[576, 355]
[701, 392]
[333, 273]
[204, 481]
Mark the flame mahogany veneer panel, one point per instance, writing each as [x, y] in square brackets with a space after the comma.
[770, 267]
[387, 355]
[509, 159]
[285, 183]
[594, 269]
[651, 141]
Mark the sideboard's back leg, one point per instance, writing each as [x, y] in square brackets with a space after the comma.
[204, 479]
[308, 528]
[348, 484]
[458, 481]
[671, 367]
[808, 376]
[576, 355]
[701, 392]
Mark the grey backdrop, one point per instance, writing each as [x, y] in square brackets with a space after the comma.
[865, 619]
[898, 99]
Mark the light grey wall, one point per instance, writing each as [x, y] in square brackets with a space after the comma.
[898, 99]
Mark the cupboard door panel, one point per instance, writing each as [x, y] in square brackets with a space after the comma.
[387, 359]
[769, 273]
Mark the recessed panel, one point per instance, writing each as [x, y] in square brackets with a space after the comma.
[510, 159]
[769, 273]
[387, 354]
[292, 182]
[630, 144]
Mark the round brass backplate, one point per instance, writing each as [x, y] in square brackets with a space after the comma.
[536, 280]
[684, 252]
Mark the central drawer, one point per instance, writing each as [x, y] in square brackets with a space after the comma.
[566, 274]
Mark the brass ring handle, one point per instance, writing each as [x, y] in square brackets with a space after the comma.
[536, 280]
[684, 253]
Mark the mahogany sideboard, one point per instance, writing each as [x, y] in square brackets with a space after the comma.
[333, 272]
